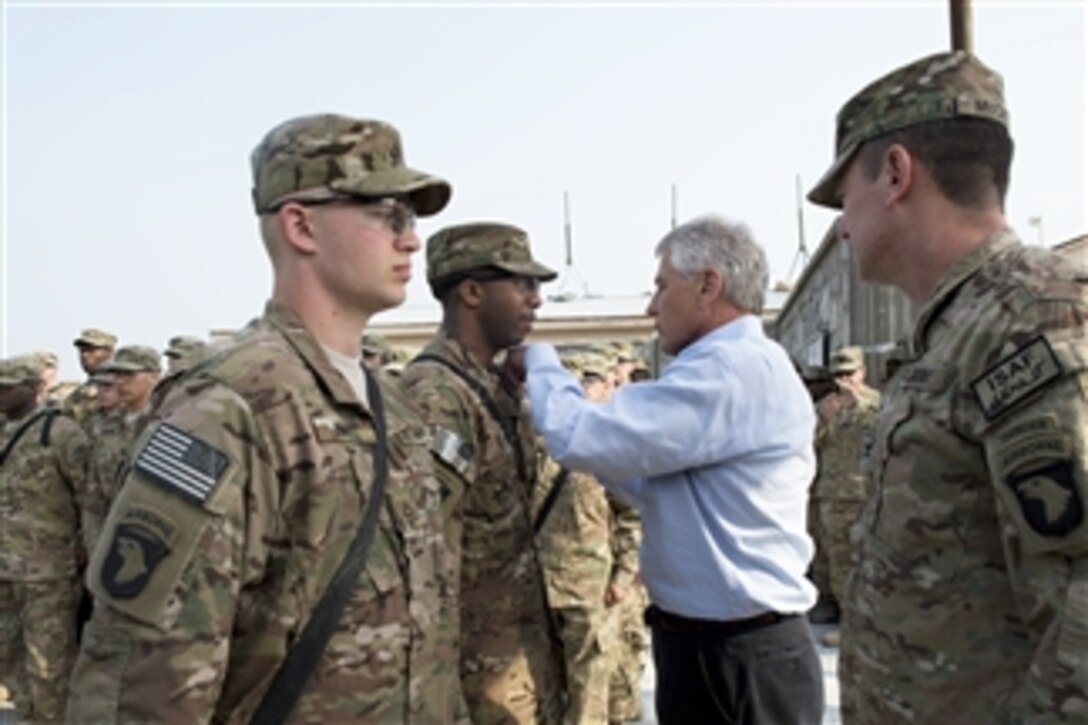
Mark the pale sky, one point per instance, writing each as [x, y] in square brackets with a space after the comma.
[127, 130]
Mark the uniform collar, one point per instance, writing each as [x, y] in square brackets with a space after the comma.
[309, 349]
[449, 348]
[956, 275]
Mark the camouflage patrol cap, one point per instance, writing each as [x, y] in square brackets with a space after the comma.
[846, 360]
[374, 344]
[323, 156]
[93, 337]
[593, 364]
[133, 359]
[46, 359]
[20, 369]
[941, 86]
[481, 245]
[183, 346]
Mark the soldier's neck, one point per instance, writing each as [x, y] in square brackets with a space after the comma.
[465, 330]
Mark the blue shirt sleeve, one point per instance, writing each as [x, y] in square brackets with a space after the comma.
[683, 420]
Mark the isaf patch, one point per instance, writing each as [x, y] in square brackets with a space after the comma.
[1049, 498]
[449, 448]
[1031, 368]
[133, 555]
[182, 463]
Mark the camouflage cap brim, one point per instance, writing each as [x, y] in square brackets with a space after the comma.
[427, 194]
[528, 269]
[826, 191]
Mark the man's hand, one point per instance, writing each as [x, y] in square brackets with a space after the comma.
[513, 368]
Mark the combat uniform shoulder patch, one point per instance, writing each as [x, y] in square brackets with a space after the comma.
[134, 553]
[1015, 377]
[449, 448]
[1048, 498]
[182, 463]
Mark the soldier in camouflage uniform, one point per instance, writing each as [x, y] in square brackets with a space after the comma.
[574, 533]
[487, 281]
[95, 348]
[182, 351]
[377, 352]
[41, 484]
[135, 370]
[969, 599]
[251, 478]
[627, 601]
[844, 427]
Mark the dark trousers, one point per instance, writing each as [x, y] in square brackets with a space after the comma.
[761, 671]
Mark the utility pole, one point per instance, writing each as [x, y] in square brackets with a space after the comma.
[802, 246]
[1037, 222]
[566, 230]
[962, 30]
[673, 207]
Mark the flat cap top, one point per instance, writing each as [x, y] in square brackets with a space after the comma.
[941, 86]
[846, 360]
[184, 345]
[95, 337]
[480, 245]
[19, 369]
[134, 358]
[315, 157]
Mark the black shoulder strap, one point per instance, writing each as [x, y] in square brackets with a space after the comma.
[290, 679]
[550, 499]
[47, 426]
[7, 449]
[489, 403]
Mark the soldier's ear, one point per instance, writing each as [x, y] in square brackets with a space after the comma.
[470, 293]
[296, 225]
[898, 172]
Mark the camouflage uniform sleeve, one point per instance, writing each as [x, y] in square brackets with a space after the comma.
[1034, 398]
[625, 536]
[73, 460]
[451, 424]
[181, 541]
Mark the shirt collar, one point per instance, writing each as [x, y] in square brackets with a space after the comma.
[743, 327]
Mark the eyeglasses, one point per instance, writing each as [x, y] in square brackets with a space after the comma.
[395, 213]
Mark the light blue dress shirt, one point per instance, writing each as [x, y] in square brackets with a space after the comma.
[717, 455]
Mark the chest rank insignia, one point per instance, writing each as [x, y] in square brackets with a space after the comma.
[1049, 498]
[133, 555]
[1031, 368]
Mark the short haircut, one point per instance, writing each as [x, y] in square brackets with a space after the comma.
[968, 158]
[710, 242]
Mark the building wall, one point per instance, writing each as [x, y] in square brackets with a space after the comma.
[830, 307]
[1075, 249]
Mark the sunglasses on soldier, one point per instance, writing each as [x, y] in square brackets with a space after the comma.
[395, 213]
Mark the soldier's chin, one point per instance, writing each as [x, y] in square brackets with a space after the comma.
[395, 298]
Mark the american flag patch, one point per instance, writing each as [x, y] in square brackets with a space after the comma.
[184, 464]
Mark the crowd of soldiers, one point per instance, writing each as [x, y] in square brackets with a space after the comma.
[68, 448]
[276, 531]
